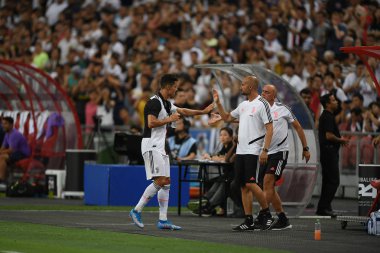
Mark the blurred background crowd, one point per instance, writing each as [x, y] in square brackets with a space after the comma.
[109, 54]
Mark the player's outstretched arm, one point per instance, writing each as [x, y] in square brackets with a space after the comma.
[190, 112]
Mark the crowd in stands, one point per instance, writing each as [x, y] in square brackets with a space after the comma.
[109, 54]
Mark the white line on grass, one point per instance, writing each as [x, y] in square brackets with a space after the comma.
[109, 224]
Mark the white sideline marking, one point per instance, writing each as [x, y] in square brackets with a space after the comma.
[313, 217]
[7, 251]
[109, 224]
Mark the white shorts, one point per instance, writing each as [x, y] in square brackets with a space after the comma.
[156, 164]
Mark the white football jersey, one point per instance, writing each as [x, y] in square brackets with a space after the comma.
[253, 116]
[281, 115]
[154, 138]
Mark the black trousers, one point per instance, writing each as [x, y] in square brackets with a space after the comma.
[330, 176]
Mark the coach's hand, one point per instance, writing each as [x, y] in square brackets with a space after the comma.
[306, 155]
[214, 119]
[215, 95]
[263, 157]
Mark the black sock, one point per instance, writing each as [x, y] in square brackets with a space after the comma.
[249, 219]
[266, 210]
[282, 216]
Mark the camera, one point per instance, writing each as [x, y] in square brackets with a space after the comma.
[97, 120]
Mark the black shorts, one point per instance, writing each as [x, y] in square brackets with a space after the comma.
[245, 169]
[275, 165]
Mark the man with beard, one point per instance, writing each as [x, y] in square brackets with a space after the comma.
[254, 138]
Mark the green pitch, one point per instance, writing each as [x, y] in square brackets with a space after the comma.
[25, 237]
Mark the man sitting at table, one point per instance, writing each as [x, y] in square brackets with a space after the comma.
[182, 145]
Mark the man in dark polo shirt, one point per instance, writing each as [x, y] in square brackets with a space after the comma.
[329, 141]
[14, 148]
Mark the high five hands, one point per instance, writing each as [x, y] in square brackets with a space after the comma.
[215, 95]
[214, 119]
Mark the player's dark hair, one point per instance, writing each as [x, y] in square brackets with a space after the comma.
[168, 80]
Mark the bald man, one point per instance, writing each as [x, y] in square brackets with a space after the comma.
[254, 138]
[271, 171]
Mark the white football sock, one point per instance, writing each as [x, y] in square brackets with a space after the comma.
[163, 201]
[149, 193]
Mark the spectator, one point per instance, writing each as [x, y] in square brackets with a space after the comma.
[104, 110]
[306, 97]
[14, 148]
[372, 119]
[336, 34]
[291, 77]
[340, 96]
[357, 101]
[54, 9]
[338, 74]
[128, 123]
[90, 110]
[298, 21]
[182, 145]
[316, 86]
[307, 42]
[272, 46]
[215, 197]
[319, 32]
[40, 57]
[352, 81]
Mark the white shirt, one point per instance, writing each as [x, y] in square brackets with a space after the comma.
[365, 88]
[252, 116]
[106, 115]
[281, 116]
[294, 81]
[339, 94]
[122, 24]
[154, 138]
[53, 11]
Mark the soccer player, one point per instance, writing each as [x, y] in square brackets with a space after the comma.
[254, 138]
[158, 113]
[278, 153]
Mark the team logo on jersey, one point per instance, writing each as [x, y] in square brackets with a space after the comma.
[272, 169]
[275, 115]
[253, 109]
